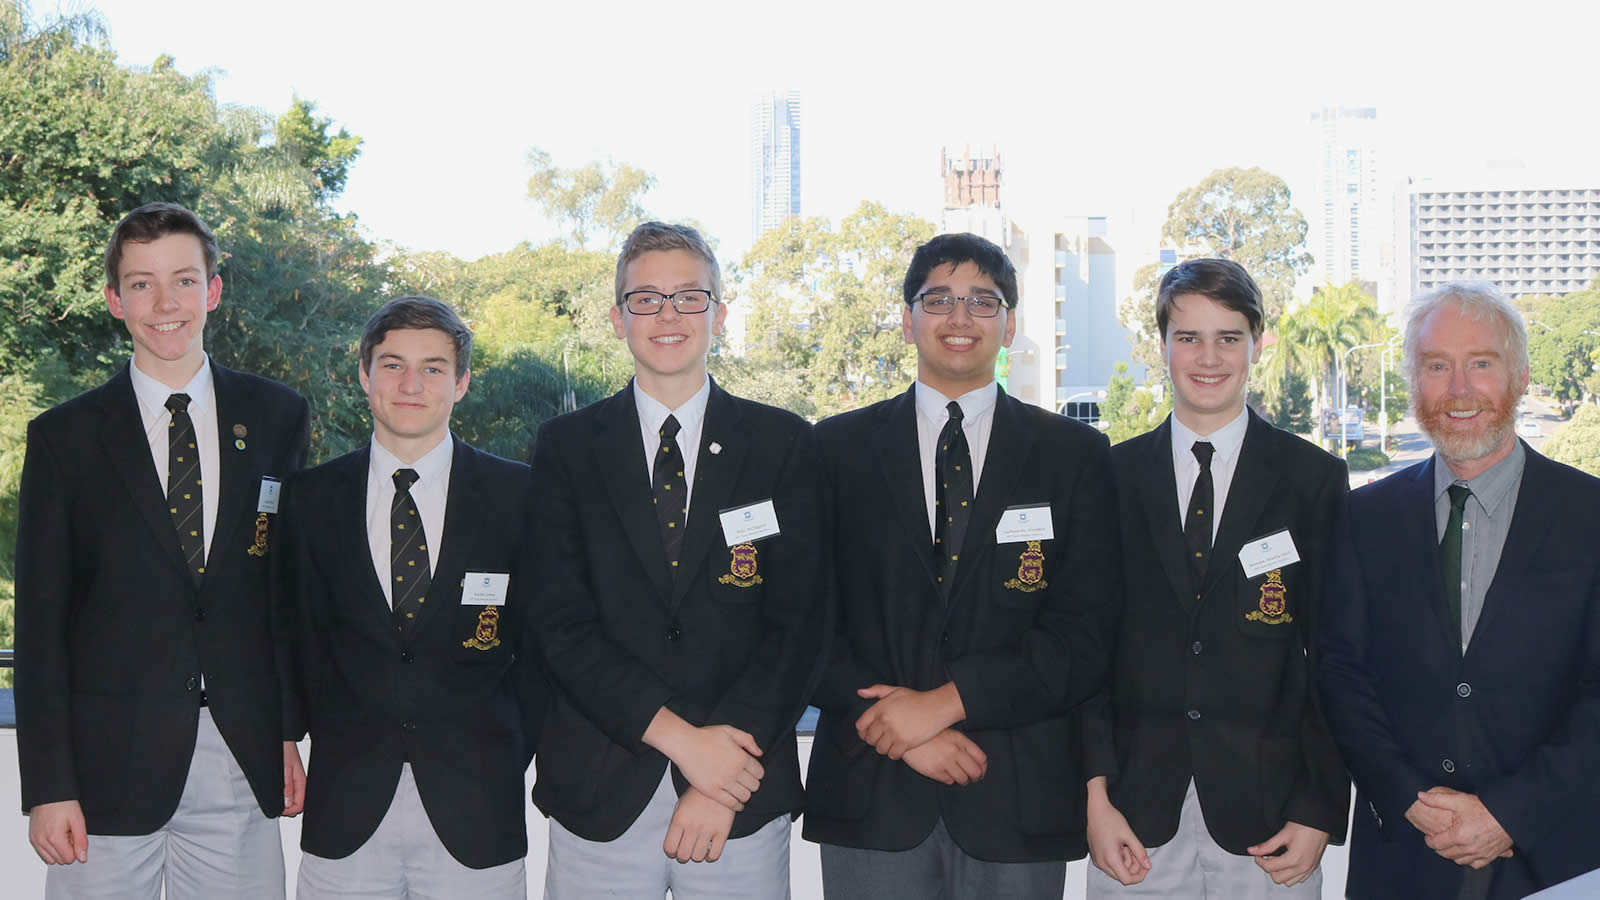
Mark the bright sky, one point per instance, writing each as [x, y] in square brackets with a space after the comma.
[1123, 104]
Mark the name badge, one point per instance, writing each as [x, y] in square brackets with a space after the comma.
[485, 588]
[268, 501]
[752, 522]
[1025, 523]
[1274, 551]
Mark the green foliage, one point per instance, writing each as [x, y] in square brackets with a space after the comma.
[1129, 411]
[1564, 342]
[24, 399]
[1137, 312]
[306, 144]
[604, 197]
[1288, 406]
[1244, 215]
[825, 309]
[1365, 459]
[1577, 443]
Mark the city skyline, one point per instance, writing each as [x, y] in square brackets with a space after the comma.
[775, 158]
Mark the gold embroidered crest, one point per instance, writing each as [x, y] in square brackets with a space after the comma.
[1030, 572]
[487, 635]
[260, 546]
[1274, 609]
[741, 567]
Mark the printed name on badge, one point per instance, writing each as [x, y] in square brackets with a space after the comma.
[268, 502]
[1273, 551]
[1030, 522]
[485, 588]
[751, 522]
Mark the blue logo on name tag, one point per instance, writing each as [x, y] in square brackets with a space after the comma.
[1265, 545]
[748, 515]
[485, 581]
[1022, 517]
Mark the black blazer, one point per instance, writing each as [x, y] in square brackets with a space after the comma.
[1219, 687]
[623, 637]
[444, 698]
[113, 634]
[1020, 658]
[1515, 720]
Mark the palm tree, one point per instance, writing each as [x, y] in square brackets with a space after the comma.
[1331, 322]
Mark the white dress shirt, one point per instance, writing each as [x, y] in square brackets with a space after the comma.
[430, 493]
[1226, 442]
[977, 420]
[152, 399]
[691, 422]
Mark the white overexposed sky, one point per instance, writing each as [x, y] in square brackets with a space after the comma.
[1114, 107]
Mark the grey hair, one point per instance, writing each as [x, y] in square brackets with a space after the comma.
[1477, 300]
[651, 236]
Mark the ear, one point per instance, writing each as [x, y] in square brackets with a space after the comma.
[1011, 328]
[906, 330]
[366, 383]
[616, 322]
[721, 316]
[461, 386]
[114, 303]
[1255, 355]
[213, 292]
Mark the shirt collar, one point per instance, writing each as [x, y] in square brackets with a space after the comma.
[1225, 441]
[934, 405]
[152, 395]
[1491, 486]
[430, 469]
[653, 412]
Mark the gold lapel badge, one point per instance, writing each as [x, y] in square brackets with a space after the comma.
[240, 431]
[487, 635]
[741, 567]
[260, 546]
[1030, 572]
[1274, 609]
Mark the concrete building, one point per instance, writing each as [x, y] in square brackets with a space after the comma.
[1068, 335]
[1526, 233]
[774, 160]
[1351, 210]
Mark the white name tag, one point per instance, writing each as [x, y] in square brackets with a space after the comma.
[752, 522]
[485, 588]
[1025, 523]
[1275, 551]
[268, 501]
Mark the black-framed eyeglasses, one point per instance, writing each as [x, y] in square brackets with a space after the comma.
[648, 303]
[981, 306]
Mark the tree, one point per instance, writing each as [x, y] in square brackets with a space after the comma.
[1577, 443]
[1564, 342]
[1137, 312]
[1130, 411]
[605, 197]
[304, 140]
[1244, 215]
[1334, 320]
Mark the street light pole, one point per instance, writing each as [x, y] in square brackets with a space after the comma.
[1383, 394]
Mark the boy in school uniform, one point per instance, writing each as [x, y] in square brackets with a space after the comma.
[407, 587]
[676, 549]
[151, 732]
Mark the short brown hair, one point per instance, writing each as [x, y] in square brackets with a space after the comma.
[417, 312]
[154, 221]
[1222, 280]
[661, 236]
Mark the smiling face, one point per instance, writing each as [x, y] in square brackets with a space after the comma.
[1465, 389]
[411, 390]
[669, 348]
[956, 352]
[1209, 350]
[162, 294]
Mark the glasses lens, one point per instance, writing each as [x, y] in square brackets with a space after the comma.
[938, 304]
[643, 303]
[982, 307]
[692, 301]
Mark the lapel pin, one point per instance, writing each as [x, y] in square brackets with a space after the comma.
[715, 448]
[238, 445]
[240, 431]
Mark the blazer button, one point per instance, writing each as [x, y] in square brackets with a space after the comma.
[944, 638]
[1196, 647]
[1448, 766]
[409, 725]
[1194, 715]
[191, 684]
[673, 634]
[199, 613]
[407, 656]
[1463, 690]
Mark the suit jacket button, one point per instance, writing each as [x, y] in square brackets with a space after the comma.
[191, 684]
[409, 725]
[1194, 715]
[1463, 690]
[673, 634]
[407, 656]
[1196, 647]
[944, 638]
[1448, 766]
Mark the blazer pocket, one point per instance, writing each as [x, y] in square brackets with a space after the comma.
[1021, 570]
[1049, 800]
[737, 572]
[100, 721]
[1269, 604]
[838, 784]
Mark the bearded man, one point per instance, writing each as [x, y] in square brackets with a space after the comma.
[1460, 644]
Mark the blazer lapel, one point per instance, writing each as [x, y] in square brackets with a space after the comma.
[1255, 477]
[1158, 493]
[714, 477]
[123, 440]
[1528, 529]
[462, 503]
[1420, 518]
[237, 464]
[900, 455]
[619, 454]
[350, 516]
[1009, 441]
